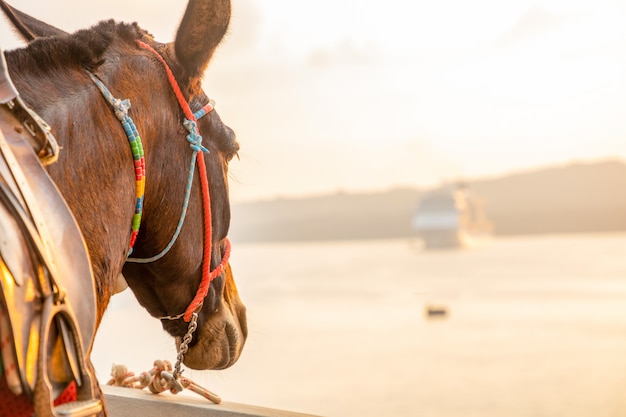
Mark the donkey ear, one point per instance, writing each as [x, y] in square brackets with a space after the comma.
[28, 27]
[201, 30]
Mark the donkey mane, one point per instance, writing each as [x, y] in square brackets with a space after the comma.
[84, 48]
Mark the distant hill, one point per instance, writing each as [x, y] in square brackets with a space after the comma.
[574, 198]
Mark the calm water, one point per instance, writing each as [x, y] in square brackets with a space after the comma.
[536, 327]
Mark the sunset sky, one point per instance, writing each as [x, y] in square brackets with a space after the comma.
[331, 95]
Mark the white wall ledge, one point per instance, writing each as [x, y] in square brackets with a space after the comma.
[129, 402]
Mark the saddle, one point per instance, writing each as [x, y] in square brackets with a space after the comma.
[47, 290]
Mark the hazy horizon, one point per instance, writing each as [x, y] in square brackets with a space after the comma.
[327, 96]
[425, 187]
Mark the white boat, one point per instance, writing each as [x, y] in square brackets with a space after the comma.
[451, 217]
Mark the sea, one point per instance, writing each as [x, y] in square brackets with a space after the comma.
[519, 326]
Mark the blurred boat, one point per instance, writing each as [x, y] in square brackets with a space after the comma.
[451, 217]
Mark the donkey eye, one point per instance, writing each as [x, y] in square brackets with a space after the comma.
[229, 156]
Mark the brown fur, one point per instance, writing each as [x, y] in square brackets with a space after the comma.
[95, 170]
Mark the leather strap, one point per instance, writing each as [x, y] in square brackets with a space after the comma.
[39, 133]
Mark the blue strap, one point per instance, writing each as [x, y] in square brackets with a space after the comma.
[195, 142]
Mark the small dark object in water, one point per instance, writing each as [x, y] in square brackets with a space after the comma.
[436, 311]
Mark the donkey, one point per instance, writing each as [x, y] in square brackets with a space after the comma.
[175, 218]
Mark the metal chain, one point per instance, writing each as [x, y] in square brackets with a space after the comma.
[184, 344]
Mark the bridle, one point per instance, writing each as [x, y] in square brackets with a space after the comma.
[190, 122]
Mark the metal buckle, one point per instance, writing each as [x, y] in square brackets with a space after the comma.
[40, 134]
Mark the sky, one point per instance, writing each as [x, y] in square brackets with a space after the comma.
[337, 95]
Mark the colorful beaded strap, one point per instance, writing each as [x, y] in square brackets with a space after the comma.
[120, 107]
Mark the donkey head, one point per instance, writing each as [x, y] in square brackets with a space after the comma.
[222, 322]
[166, 286]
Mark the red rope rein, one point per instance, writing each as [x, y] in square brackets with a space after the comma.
[207, 274]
